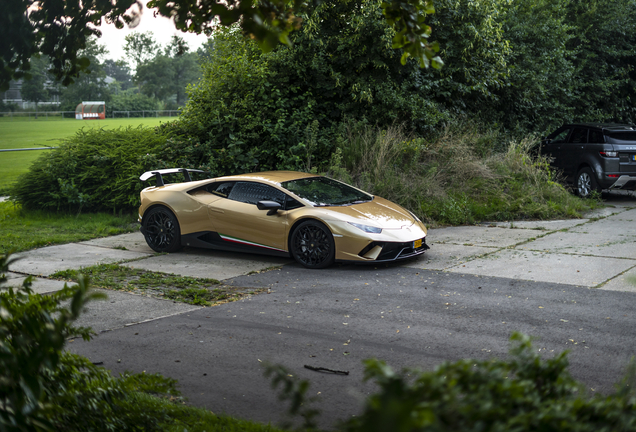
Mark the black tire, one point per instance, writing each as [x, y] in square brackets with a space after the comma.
[161, 230]
[586, 183]
[312, 245]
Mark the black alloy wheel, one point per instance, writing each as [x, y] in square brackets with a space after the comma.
[161, 230]
[312, 245]
[586, 183]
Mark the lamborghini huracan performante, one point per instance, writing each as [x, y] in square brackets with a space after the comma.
[312, 218]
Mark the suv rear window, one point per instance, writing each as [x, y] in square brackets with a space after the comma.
[623, 136]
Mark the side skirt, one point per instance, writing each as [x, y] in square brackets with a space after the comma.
[212, 240]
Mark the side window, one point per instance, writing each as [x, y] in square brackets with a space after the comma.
[561, 136]
[252, 192]
[579, 136]
[291, 203]
[221, 188]
[596, 137]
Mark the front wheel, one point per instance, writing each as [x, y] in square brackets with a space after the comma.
[161, 230]
[586, 183]
[312, 245]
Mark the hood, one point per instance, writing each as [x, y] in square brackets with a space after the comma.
[379, 213]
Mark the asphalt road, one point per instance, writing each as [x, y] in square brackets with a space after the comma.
[336, 318]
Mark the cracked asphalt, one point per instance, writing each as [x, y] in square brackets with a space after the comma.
[564, 282]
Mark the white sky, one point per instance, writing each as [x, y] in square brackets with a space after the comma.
[162, 29]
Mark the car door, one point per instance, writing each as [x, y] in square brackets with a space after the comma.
[553, 145]
[573, 151]
[238, 220]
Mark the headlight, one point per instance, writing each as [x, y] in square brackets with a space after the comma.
[367, 228]
[414, 217]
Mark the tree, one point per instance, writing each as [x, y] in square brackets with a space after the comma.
[140, 48]
[36, 89]
[60, 28]
[56, 28]
[170, 72]
[252, 107]
[91, 84]
[120, 71]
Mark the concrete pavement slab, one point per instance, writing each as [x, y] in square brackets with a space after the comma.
[546, 267]
[552, 225]
[624, 282]
[442, 256]
[48, 260]
[121, 309]
[480, 236]
[40, 285]
[626, 216]
[132, 241]
[204, 263]
[598, 243]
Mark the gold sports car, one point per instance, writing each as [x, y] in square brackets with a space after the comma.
[312, 218]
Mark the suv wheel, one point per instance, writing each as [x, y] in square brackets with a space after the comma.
[586, 183]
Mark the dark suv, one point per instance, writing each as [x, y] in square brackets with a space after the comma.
[594, 156]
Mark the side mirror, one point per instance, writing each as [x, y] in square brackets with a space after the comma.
[271, 206]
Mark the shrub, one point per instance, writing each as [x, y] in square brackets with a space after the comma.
[97, 169]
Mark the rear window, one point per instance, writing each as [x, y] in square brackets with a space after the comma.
[623, 136]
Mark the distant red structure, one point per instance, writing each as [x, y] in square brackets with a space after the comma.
[91, 110]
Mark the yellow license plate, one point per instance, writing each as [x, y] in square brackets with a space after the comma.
[417, 244]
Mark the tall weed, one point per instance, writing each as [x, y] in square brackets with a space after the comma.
[463, 175]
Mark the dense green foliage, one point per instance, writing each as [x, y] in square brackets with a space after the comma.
[252, 110]
[96, 169]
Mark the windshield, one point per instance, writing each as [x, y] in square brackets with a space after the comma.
[322, 191]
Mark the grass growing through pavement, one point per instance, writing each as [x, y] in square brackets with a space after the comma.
[196, 291]
[22, 230]
[24, 133]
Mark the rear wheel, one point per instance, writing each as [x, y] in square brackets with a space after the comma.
[586, 183]
[312, 245]
[161, 230]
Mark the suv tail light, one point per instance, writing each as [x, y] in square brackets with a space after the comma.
[608, 153]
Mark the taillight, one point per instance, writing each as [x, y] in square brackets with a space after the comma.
[608, 153]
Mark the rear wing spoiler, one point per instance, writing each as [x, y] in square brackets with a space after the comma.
[158, 174]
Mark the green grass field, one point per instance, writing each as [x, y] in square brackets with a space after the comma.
[26, 133]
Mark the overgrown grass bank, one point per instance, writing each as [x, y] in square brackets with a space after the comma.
[462, 176]
[27, 229]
